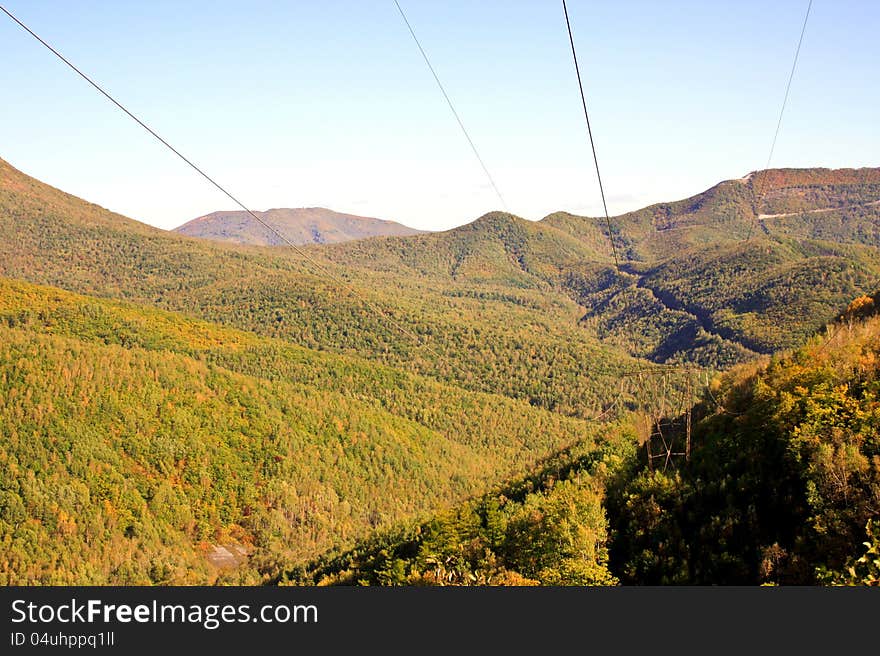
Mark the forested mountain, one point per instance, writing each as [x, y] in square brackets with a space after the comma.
[692, 287]
[181, 410]
[782, 487]
[784, 482]
[521, 342]
[302, 225]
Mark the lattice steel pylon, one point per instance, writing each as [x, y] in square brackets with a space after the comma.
[666, 399]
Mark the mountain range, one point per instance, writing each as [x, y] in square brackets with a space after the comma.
[167, 399]
[304, 225]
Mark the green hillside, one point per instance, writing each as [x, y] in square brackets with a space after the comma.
[548, 528]
[513, 340]
[784, 480]
[143, 438]
[175, 410]
[782, 487]
[544, 295]
[696, 289]
[765, 295]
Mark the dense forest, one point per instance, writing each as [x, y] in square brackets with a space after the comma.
[782, 487]
[784, 482]
[499, 305]
[140, 437]
[549, 528]
[448, 408]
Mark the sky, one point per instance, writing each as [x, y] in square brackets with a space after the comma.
[302, 104]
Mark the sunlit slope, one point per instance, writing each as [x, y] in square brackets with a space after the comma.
[531, 310]
[839, 205]
[142, 439]
[752, 264]
[783, 479]
[491, 337]
[546, 528]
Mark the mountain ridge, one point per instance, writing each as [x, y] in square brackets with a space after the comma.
[301, 225]
[700, 292]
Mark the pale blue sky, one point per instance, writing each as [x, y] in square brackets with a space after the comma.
[328, 103]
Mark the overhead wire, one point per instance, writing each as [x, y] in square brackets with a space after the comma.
[318, 267]
[165, 143]
[592, 142]
[687, 370]
[624, 374]
[759, 196]
[451, 106]
[321, 269]
[763, 178]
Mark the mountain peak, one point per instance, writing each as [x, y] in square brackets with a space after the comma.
[301, 225]
[495, 219]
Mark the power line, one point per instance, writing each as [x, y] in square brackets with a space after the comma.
[794, 63]
[317, 265]
[451, 106]
[590, 133]
[439, 359]
[157, 136]
[376, 309]
[488, 175]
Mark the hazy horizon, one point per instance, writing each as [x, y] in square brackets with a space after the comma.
[332, 106]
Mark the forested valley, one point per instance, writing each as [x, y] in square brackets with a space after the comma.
[452, 408]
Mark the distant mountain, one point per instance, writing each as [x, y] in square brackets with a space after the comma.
[301, 225]
[692, 285]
